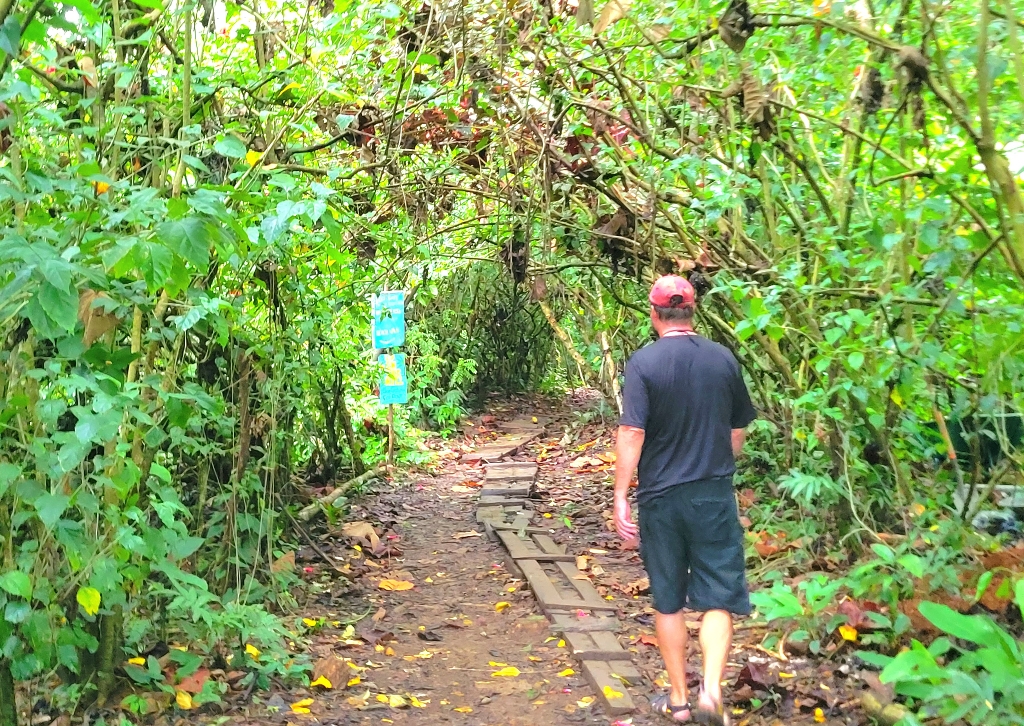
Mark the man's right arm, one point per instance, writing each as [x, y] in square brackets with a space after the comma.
[738, 437]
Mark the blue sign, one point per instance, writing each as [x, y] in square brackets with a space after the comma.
[394, 383]
[388, 327]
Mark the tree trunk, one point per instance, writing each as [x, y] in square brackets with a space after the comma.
[8, 708]
[354, 445]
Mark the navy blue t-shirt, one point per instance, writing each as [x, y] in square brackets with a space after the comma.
[687, 394]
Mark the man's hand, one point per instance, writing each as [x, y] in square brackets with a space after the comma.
[738, 437]
[623, 519]
[629, 442]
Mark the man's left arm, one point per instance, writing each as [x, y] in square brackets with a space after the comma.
[629, 443]
[738, 437]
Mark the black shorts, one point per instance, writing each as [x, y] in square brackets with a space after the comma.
[691, 543]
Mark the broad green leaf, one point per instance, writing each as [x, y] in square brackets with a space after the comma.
[60, 305]
[190, 238]
[49, 507]
[89, 598]
[8, 473]
[230, 146]
[16, 583]
[974, 628]
[855, 359]
[98, 428]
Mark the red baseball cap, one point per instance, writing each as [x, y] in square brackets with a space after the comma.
[672, 291]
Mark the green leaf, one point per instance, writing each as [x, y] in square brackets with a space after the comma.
[89, 598]
[10, 36]
[86, 8]
[17, 611]
[98, 428]
[855, 359]
[17, 583]
[160, 472]
[230, 146]
[912, 564]
[8, 473]
[974, 628]
[49, 507]
[190, 238]
[60, 306]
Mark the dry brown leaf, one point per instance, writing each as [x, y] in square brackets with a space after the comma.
[612, 12]
[284, 563]
[92, 316]
[361, 530]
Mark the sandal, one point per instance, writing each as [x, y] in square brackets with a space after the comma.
[714, 716]
[662, 705]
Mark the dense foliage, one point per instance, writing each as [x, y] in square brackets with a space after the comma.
[197, 200]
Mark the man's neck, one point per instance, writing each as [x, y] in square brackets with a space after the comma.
[674, 331]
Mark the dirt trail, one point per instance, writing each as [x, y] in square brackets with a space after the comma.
[430, 654]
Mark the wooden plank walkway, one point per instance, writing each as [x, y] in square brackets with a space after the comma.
[572, 603]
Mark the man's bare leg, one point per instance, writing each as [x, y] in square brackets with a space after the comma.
[672, 639]
[715, 644]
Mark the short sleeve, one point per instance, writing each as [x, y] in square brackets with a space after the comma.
[742, 409]
[635, 404]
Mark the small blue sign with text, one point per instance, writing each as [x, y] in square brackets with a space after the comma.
[388, 327]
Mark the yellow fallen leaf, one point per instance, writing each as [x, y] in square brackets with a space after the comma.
[379, 648]
[302, 706]
[502, 606]
[786, 675]
[417, 703]
[561, 643]
[547, 515]
[309, 622]
[395, 585]
[464, 709]
[389, 651]
[848, 632]
[819, 716]
[252, 650]
[534, 658]
[496, 664]
[396, 701]
[509, 672]
[382, 698]
[100, 187]
[567, 672]
[137, 661]
[353, 681]
[585, 702]
[610, 693]
[251, 157]
[184, 700]
[323, 682]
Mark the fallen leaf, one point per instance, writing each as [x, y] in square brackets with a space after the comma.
[464, 535]
[353, 681]
[502, 606]
[585, 702]
[396, 701]
[848, 633]
[464, 709]
[302, 706]
[819, 716]
[309, 622]
[323, 682]
[581, 562]
[184, 700]
[195, 682]
[561, 643]
[379, 615]
[648, 640]
[284, 563]
[137, 661]
[395, 585]
[509, 672]
[358, 701]
[251, 157]
[610, 693]
[361, 530]
[252, 650]
[417, 703]
[567, 672]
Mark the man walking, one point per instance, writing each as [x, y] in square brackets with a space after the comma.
[685, 411]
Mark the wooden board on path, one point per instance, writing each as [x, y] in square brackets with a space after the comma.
[508, 490]
[502, 501]
[527, 549]
[601, 675]
[565, 623]
[547, 594]
[506, 471]
[502, 447]
[587, 592]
